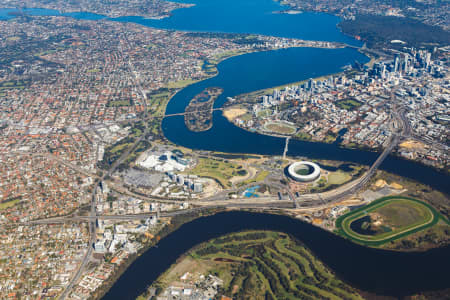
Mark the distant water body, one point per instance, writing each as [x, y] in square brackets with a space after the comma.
[262, 70]
[384, 272]
[231, 16]
[10, 13]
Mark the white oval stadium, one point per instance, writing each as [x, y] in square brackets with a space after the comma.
[304, 171]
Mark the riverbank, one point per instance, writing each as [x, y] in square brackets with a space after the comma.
[174, 224]
[336, 115]
[396, 274]
[177, 223]
[244, 263]
[388, 219]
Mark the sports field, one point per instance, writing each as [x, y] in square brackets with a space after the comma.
[280, 128]
[387, 219]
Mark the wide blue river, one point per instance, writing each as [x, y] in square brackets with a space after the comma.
[232, 16]
[260, 70]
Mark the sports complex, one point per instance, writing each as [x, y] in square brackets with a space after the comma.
[387, 219]
[304, 171]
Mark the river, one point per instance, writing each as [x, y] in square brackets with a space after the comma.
[377, 271]
[254, 71]
[232, 16]
[261, 70]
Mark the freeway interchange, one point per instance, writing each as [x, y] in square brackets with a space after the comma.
[220, 201]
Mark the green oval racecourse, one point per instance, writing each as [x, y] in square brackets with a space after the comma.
[394, 216]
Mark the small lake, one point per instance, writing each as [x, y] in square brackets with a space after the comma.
[361, 226]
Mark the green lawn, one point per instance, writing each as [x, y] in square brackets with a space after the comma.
[158, 104]
[338, 177]
[258, 178]
[220, 170]
[348, 104]
[303, 136]
[264, 113]
[280, 128]
[180, 84]
[8, 204]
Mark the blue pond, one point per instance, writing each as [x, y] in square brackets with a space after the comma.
[251, 192]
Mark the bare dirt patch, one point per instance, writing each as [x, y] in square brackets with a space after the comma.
[412, 145]
[233, 113]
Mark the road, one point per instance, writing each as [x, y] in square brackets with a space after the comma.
[286, 147]
[305, 201]
[87, 256]
[93, 213]
[308, 200]
[192, 112]
[60, 161]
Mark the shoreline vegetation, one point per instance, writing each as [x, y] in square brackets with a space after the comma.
[379, 31]
[175, 223]
[253, 256]
[178, 221]
[179, 86]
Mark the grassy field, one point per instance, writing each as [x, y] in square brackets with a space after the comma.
[280, 128]
[258, 178]
[220, 170]
[303, 136]
[338, 177]
[264, 113]
[8, 204]
[113, 152]
[13, 84]
[158, 104]
[261, 265]
[335, 179]
[397, 217]
[348, 104]
[224, 55]
[180, 84]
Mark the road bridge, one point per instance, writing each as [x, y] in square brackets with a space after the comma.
[192, 112]
[286, 146]
[351, 187]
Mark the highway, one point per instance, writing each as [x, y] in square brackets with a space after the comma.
[271, 202]
[308, 200]
[87, 256]
[93, 213]
[305, 200]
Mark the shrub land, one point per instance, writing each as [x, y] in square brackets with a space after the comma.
[379, 31]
